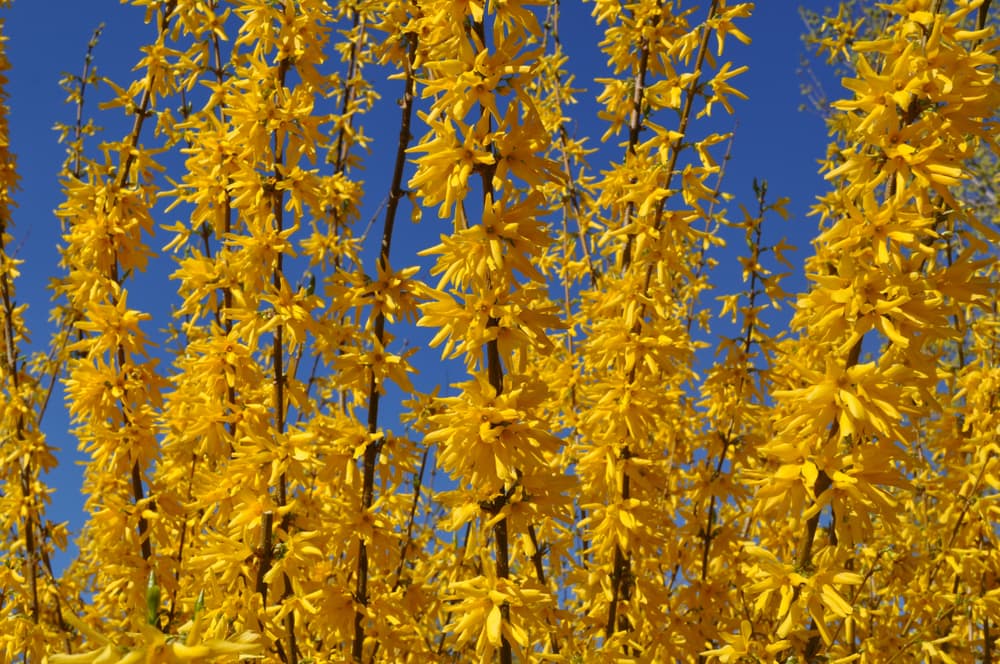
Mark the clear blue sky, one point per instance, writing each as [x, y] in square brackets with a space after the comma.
[774, 141]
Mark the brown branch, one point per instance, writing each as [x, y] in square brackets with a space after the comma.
[264, 554]
[404, 546]
[702, 259]
[495, 375]
[537, 559]
[748, 335]
[138, 493]
[685, 118]
[180, 546]
[343, 147]
[635, 127]
[573, 195]
[26, 471]
[88, 60]
[621, 571]
[278, 360]
[373, 448]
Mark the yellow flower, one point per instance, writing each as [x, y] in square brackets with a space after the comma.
[443, 173]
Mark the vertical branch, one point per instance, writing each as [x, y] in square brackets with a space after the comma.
[634, 129]
[702, 253]
[277, 275]
[264, 554]
[26, 466]
[278, 351]
[342, 148]
[404, 546]
[685, 115]
[77, 151]
[620, 571]
[754, 240]
[108, 211]
[987, 641]
[537, 559]
[572, 204]
[572, 201]
[227, 210]
[221, 313]
[621, 566]
[354, 63]
[141, 113]
[495, 374]
[373, 447]
[407, 542]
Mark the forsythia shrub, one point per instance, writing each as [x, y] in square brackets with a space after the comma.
[824, 491]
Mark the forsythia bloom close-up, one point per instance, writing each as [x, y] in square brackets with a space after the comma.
[436, 331]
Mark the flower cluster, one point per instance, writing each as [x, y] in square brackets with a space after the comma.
[866, 408]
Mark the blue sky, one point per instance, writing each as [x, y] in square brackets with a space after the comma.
[774, 141]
